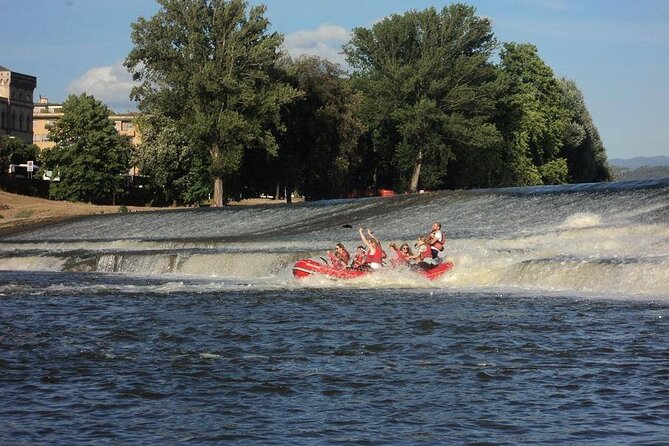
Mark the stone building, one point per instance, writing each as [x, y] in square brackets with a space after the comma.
[45, 114]
[16, 104]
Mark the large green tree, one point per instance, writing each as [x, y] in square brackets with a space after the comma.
[430, 91]
[317, 152]
[210, 66]
[90, 156]
[582, 147]
[534, 119]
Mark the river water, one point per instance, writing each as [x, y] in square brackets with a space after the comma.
[188, 327]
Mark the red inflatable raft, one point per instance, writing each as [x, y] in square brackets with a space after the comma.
[308, 267]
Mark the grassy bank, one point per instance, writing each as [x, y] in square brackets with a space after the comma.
[19, 212]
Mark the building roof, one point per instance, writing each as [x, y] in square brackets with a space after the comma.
[4, 69]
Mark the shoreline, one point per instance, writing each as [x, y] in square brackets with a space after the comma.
[22, 213]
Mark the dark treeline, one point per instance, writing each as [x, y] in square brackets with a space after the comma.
[431, 101]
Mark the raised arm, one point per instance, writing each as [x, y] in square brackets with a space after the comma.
[364, 239]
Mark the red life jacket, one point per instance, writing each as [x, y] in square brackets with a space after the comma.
[401, 257]
[358, 261]
[427, 254]
[377, 257]
[436, 243]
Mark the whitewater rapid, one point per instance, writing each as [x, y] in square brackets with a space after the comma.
[609, 240]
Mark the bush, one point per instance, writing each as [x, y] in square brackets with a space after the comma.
[123, 209]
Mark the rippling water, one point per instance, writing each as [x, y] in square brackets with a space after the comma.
[112, 359]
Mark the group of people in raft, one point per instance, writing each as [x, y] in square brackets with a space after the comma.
[372, 255]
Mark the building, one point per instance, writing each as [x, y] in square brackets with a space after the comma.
[46, 114]
[16, 104]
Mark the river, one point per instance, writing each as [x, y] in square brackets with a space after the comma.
[187, 326]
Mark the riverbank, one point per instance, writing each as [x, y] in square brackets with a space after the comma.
[20, 212]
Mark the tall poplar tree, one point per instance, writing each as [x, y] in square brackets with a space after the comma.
[209, 66]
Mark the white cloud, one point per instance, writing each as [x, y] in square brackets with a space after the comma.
[109, 84]
[325, 41]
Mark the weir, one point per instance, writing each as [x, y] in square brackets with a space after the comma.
[606, 238]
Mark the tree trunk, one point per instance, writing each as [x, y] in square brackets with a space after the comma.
[277, 191]
[215, 153]
[218, 192]
[289, 198]
[416, 171]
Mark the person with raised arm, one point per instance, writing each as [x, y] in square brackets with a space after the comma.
[375, 253]
[402, 254]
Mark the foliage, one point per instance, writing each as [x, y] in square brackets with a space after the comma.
[15, 151]
[424, 107]
[89, 156]
[123, 209]
[317, 151]
[430, 91]
[533, 117]
[555, 172]
[210, 66]
[165, 156]
[582, 146]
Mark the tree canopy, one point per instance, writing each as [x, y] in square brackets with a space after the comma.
[15, 151]
[210, 67]
[430, 90]
[432, 101]
[90, 156]
[318, 151]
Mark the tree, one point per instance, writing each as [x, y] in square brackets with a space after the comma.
[90, 156]
[15, 151]
[430, 90]
[582, 147]
[210, 66]
[534, 118]
[317, 152]
[166, 158]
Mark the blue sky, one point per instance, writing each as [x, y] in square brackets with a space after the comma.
[615, 50]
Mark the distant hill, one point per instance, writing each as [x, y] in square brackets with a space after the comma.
[640, 173]
[640, 161]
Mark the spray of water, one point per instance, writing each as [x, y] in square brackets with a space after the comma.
[606, 240]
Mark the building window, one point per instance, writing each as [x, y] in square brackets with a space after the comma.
[127, 126]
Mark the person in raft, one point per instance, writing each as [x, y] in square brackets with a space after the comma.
[423, 254]
[401, 255]
[358, 262]
[340, 257]
[436, 240]
[375, 253]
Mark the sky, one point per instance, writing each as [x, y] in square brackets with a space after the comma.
[617, 51]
